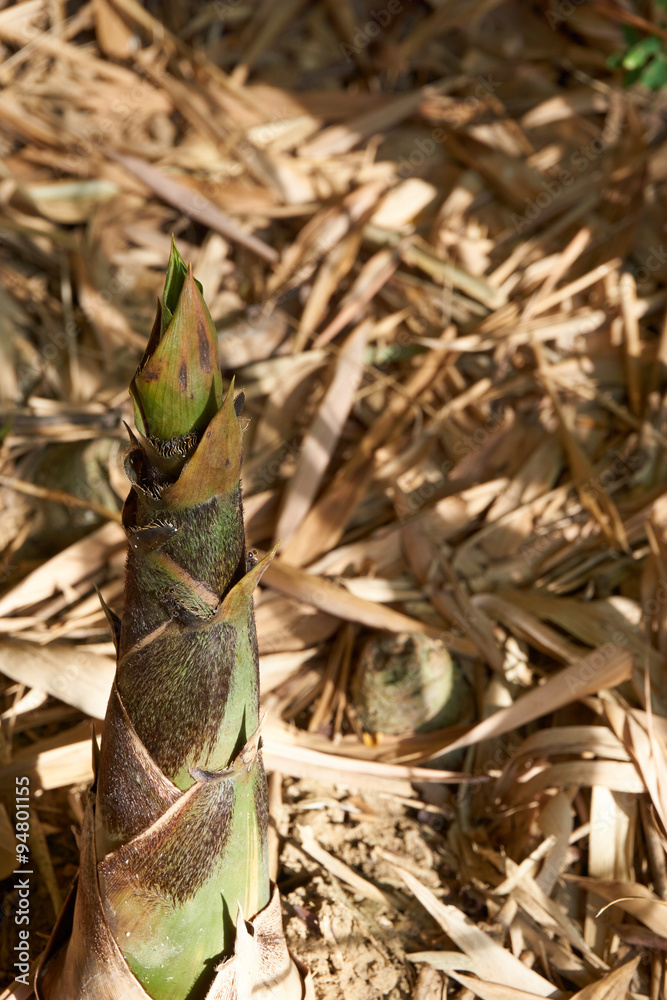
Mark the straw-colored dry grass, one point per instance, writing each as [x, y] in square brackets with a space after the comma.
[432, 238]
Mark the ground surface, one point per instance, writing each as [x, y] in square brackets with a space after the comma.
[431, 236]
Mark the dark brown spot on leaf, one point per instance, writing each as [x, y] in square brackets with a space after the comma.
[204, 347]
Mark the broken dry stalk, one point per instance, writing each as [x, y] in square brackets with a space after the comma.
[174, 846]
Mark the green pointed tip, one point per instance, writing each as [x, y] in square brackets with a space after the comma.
[178, 387]
[173, 285]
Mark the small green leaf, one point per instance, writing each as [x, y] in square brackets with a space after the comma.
[173, 285]
[615, 60]
[654, 76]
[638, 55]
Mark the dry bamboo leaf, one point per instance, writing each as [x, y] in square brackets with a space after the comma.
[557, 821]
[195, 205]
[108, 321]
[593, 622]
[632, 934]
[628, 295]
[565, 261]
[614, 986]
[551, 916]
[276, 668]
[527, 626]
[594, 499]
[578, 285]
[285, 625]
[648, 749]
[80, 561]
[572, 740]
[73, 202]
[66, 759]
[517, 240]
[33, 129]
[563, 106]
[614, 776]
[113, 35]
[600, 669]
[382, 547]
[450, 515]
[517, 873]
[59, 496]
[431, 570]
[444, 960]
[288, 390]
[333, 269]
[421, 255]
[639, 908]
[490, 990]
[383, 591]
[495, 963]
[325, 523]
[341, 138]
[536, 476]
[401, 206]
[321, 234]
[30, 701]
[338, 601]
[320, 440]
[372, 278]
[18, 624]
[631, 896]
[72, 673]
[611, 847]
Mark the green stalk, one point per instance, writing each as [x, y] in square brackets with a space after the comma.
[187, 669]
[174, 846]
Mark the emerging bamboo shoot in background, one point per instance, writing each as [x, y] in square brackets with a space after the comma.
[174, 844]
